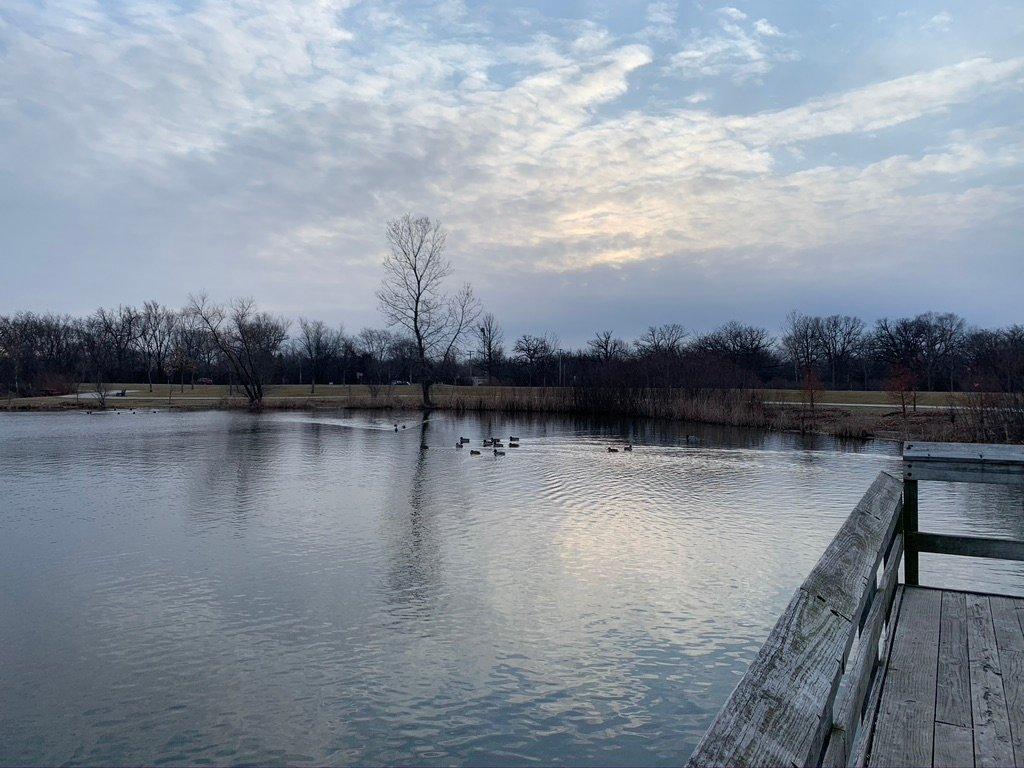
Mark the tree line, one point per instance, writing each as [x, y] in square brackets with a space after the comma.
[433, 334]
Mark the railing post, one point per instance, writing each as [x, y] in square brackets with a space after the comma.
[909, 529]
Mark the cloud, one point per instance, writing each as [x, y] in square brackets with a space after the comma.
[940, 22]
[742, 52]
[274, 140]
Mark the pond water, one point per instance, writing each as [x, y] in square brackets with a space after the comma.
[315, 588]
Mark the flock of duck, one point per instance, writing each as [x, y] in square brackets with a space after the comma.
[496, 444]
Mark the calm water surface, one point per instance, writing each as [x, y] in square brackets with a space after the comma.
[226, 588]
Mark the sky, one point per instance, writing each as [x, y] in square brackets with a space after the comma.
[598, 165]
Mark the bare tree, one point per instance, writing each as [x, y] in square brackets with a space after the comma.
[802, 343]
[100, 354]
[534, 350]
[662, 339]
[841, 337]
[155, 333]
[376, 343]
[412, 295]
[942, 339]
[490, 339]
[121, 328]
[249, 340]
[319, 344]
[605, 347]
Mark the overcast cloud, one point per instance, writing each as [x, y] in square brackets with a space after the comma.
[597, 165]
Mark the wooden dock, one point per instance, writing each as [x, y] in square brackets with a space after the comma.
[863, 669]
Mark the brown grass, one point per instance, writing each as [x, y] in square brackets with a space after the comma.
[961, 420]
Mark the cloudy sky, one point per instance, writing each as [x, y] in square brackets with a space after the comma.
[597, 164]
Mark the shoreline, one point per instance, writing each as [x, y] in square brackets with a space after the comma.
[861, 416]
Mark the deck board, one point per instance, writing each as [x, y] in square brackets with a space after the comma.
[953, 698]
[905, 725]
[968, 650]
[992, 744]
[1010, 643]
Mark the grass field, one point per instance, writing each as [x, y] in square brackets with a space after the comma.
[207, 395]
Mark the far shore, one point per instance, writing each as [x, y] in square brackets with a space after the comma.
[840, 413]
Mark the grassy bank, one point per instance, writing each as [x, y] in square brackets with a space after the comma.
[942, 416]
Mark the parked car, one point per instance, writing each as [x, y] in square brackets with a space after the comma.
[398, 383]
[204, 381]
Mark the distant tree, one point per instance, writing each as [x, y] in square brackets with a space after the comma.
[746, 347]
[100, 355]
[319, 345]
[490, 340]
[898, 343]
[121, 328]
[606, 347]
[841, 337]
[412, 295]
[942, 340]
[662, 339]
[802, 342]
[533, 350]
[249, 340]
[156, 326]
[376, 344]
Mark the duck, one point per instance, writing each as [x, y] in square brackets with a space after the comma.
[463, 439]
[612, 450]
[498, 453]
[474, 452]
[628, 447]
[488, 443]
[458, 445]
[512, 438]
[513, 445]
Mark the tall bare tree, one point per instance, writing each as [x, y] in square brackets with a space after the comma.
[802, 342]
[534, 350]
[248, 339]
[662, 339]
[490, 338]
[319, 345]
[841, 337]
[606, 347]
[155, 333]
[412, 295]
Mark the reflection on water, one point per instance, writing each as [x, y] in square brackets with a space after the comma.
[315, 588]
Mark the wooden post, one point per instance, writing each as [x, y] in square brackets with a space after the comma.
[909, 530]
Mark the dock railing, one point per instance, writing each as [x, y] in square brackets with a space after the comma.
[810, 694]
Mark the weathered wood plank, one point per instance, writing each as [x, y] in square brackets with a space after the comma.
[953, 695]
[992, 742]
[904, 727]
[865, 736]
[1012, 665]
[1010, 644]
[954, 746]
[968, 546]
[781, 711]
[850, 701]
[971, 452]
[1006, 623]
[964, 472]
